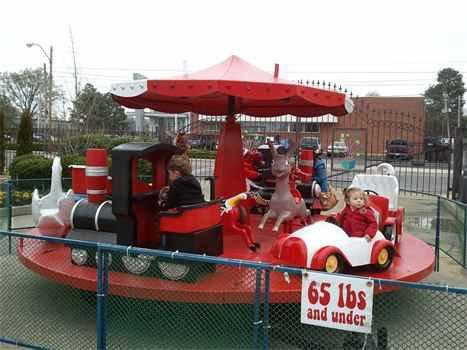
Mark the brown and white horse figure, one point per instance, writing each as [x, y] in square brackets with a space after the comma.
[282, 206]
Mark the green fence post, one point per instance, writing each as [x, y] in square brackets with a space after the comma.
[438, 224]
[256, 321]
[10, 212]
[9, 203]
[102, 285]
[465, 237]
[267, 280]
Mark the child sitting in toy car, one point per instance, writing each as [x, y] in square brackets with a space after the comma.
[357, 219]
[184, 189]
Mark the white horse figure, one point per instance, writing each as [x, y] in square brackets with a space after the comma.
[282, 205]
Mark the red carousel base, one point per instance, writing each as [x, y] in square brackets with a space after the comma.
[226, 284]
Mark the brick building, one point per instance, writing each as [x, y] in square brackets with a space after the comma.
[374, 122]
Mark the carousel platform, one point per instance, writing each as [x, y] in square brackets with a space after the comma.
[224, 285]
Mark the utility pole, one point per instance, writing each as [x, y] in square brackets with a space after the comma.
[446, 112]
[74, 63]
[49, 104]
[459, 107]
[45, 102]
[50, 86]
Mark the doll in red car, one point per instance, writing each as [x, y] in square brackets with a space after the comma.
[357, 219]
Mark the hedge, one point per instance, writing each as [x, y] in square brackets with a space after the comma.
[79, 144]
[30, 166]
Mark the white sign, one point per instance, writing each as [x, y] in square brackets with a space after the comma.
[337, 302]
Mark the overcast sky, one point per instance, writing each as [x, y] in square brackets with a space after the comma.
[392, 47]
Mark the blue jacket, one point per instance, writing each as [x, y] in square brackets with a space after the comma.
[321, 177]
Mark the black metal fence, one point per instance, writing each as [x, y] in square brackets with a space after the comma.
[351, 144]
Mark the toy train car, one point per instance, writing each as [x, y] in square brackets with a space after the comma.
[131, 216]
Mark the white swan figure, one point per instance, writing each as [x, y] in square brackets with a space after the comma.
[51, 213]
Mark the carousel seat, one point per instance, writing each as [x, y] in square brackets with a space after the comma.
[386, 222]
[383, 185]
[193, 228]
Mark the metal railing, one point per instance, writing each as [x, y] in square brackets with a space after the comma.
[442, 222]
[47, 313]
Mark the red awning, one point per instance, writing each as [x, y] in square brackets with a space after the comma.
[210, 92]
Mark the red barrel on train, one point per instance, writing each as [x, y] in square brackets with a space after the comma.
[306, 160]
[97, 171]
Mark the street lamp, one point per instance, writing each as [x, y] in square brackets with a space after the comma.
[445, 110]
[50, 59]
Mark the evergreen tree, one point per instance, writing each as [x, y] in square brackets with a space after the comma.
[25, 135]
[97, 111]
[2, 140]
[449, 82]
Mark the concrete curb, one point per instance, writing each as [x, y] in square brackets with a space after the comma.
[17, 211]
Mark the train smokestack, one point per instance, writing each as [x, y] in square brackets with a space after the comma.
[97, 170]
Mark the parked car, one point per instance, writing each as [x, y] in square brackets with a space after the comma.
[436, 142]
[337, 148]
[399, 149]
[310, 143]
[436, 148]
[38, 138]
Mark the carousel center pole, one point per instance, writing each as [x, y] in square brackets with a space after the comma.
[228, 170]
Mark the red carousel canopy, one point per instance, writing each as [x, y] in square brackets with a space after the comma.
[231, 87]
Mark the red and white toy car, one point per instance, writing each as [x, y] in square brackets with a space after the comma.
[325, 246]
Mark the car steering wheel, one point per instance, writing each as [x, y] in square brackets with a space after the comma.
[371, 192]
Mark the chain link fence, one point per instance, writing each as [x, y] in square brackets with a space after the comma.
[115, 309]
[41, 312]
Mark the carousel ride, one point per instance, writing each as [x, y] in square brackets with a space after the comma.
[239, 222]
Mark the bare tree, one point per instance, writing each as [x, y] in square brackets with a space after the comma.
[24, 89]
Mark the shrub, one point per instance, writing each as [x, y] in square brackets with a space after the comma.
[201, 154]
[31, 167]
[22, 198]
[27, 169]
[21, 167]
[18, 198]
[79, 144]
[72, 159]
